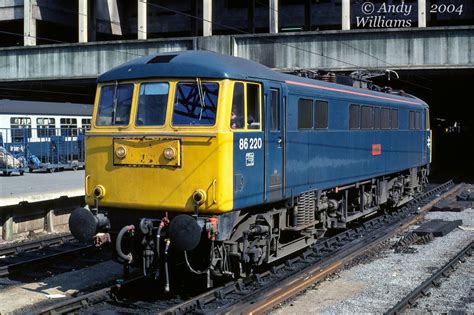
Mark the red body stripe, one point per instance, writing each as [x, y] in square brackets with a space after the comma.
[350, 92]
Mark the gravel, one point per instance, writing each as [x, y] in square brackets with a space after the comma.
[376, 286]
[456, 293]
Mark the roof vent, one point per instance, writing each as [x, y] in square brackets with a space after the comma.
[162, 59]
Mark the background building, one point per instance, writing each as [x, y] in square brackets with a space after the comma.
[54, 50]
[31, 22]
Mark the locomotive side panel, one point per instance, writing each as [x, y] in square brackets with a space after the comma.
[248, 169]
[339, 155]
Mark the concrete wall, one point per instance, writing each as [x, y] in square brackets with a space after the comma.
[19, 221]
[430, 48]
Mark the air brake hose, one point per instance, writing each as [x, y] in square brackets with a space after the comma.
[158, 236]
[118, 243]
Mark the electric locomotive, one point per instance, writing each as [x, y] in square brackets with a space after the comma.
[226, 165]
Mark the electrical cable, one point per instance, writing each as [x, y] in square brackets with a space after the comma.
[248, 33]
[83, 14]
[230, 28]
[43, 91]
[283, 44]
[350, 46]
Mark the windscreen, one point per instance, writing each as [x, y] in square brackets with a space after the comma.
[114, 105]
[152, 103]
[195, 104]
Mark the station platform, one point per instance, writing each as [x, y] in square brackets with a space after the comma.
[36, 187]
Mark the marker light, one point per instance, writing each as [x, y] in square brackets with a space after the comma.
[169, 153]
[199, 196]
[99, 191]
[120, 152]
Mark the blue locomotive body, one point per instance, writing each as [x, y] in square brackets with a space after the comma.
[248, 163]
[361, 135]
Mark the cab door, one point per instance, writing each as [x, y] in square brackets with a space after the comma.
[249, 150]
[274, 142]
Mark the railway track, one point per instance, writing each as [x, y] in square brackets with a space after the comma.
[262, 291]
[434, 280]
[27, 259]
[18, 248]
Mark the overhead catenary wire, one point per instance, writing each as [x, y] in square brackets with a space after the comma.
[230, 28]
[350, 46]
[203, 19]
[206, 20]
[37, 37]
[345, 44]
[63, 42]
[248, 33]
[283, 44]
[83, 14]
[43, 91]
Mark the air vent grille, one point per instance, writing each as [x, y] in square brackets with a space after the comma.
[162, 59]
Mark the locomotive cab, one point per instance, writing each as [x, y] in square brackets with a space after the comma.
[162, 140]
[161, 148]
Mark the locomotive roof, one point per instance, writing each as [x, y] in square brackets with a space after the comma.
[44, 108]
[207, 64]
[191, 63]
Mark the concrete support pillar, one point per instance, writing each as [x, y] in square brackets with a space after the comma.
[7, 226]
[142, 19]
[346, 14]
[93, 21]
[29, 23]
[251, 16]
[307, 15]
[421, 13]
[273, 16]
[49, 221]
[194, 21]
[207, 17]
[108, 10]
[83, 21]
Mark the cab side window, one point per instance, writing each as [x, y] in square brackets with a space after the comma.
[274, 110]
[237, 116]
[245, 112]
[253, 106]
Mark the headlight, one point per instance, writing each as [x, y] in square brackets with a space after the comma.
[120, 152]
[169, 153]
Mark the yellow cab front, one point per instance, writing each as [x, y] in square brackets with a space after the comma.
[160, 145]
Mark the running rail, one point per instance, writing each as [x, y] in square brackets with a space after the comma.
[423, 288]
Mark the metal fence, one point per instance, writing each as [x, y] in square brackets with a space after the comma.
[41, 149]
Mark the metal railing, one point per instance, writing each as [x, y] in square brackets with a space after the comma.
[46, 149]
